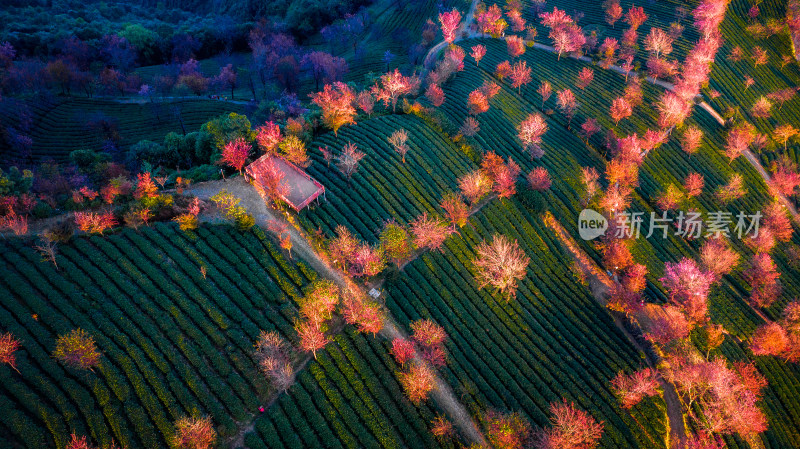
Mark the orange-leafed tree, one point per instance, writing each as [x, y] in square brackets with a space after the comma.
[418, 382]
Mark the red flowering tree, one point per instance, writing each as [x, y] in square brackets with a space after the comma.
[520, 75]
[515, 46]
[403, 350]
[429, 232]
[769, 339]
[694, 184]
[688, 287]
[77, 350]
[312, 336]
[348, 159]
[8, 348]
[456, 210]
[336, 102]
[502, 70]
[632, 388]
[442, 429]
[268, 137]
[539, 179]
[435, 94]
[635, 17]
[418, 382]
[450, 21]
[477, 102]
[585, 77]
[613, 11]
[718, 257]
[194, 433]
[620, 109]
[477, 53]
[394, 85]
[235, 153]
[500, 263]
[777, 220]
[95, 222]
[669, 326]
[545, 90]
[363, 313]
[430, 338]
[762, 275]
[272, 357]
[571, 428]
[475, 185]
[658, 42]
[567, 104]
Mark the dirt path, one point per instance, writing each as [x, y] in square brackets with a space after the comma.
[256, 206]
[600, 284]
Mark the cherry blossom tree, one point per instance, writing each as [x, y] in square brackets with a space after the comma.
[8, 349]
[490, 21]
[235, 153]
[418, 382]
[366, 315]
[691, 139]
[95, 222]
[450, 21]
[336, 102]
[777, 220]
[194, 433]
[769, 339]
[272, 356]
[761, 108]
[658, 42]
[585, 77]
[718, 257]
[403, 350]
[435, 94]
[530, 133]
[539, 179]
[475, 185]
[733, 190]
[635, 17]
[77, 350]
[589, 128]
[708, 16]
[268, 137]
[456, 210]
[477, 53]
[430, 338]
[394, 85]
[669, 326]
[567, 104]
[429, 232]
[672, 110]
[348, 159]
[784, 133]
[520, 75]
[571, 428]
[502, 70]
[607, 51]
[470, 127]
[762, 275]
[312, 336]
[500, 264]
[442, 429]
[365, 101]
[515, 46]
[620, 109]
[688, 287]
[398, 141]
[273, 181]
[477, 102]
[545, 90]
[613, 11]
[632, 388]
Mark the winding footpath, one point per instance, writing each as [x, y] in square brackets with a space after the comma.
[600, 284]
[256, 206]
